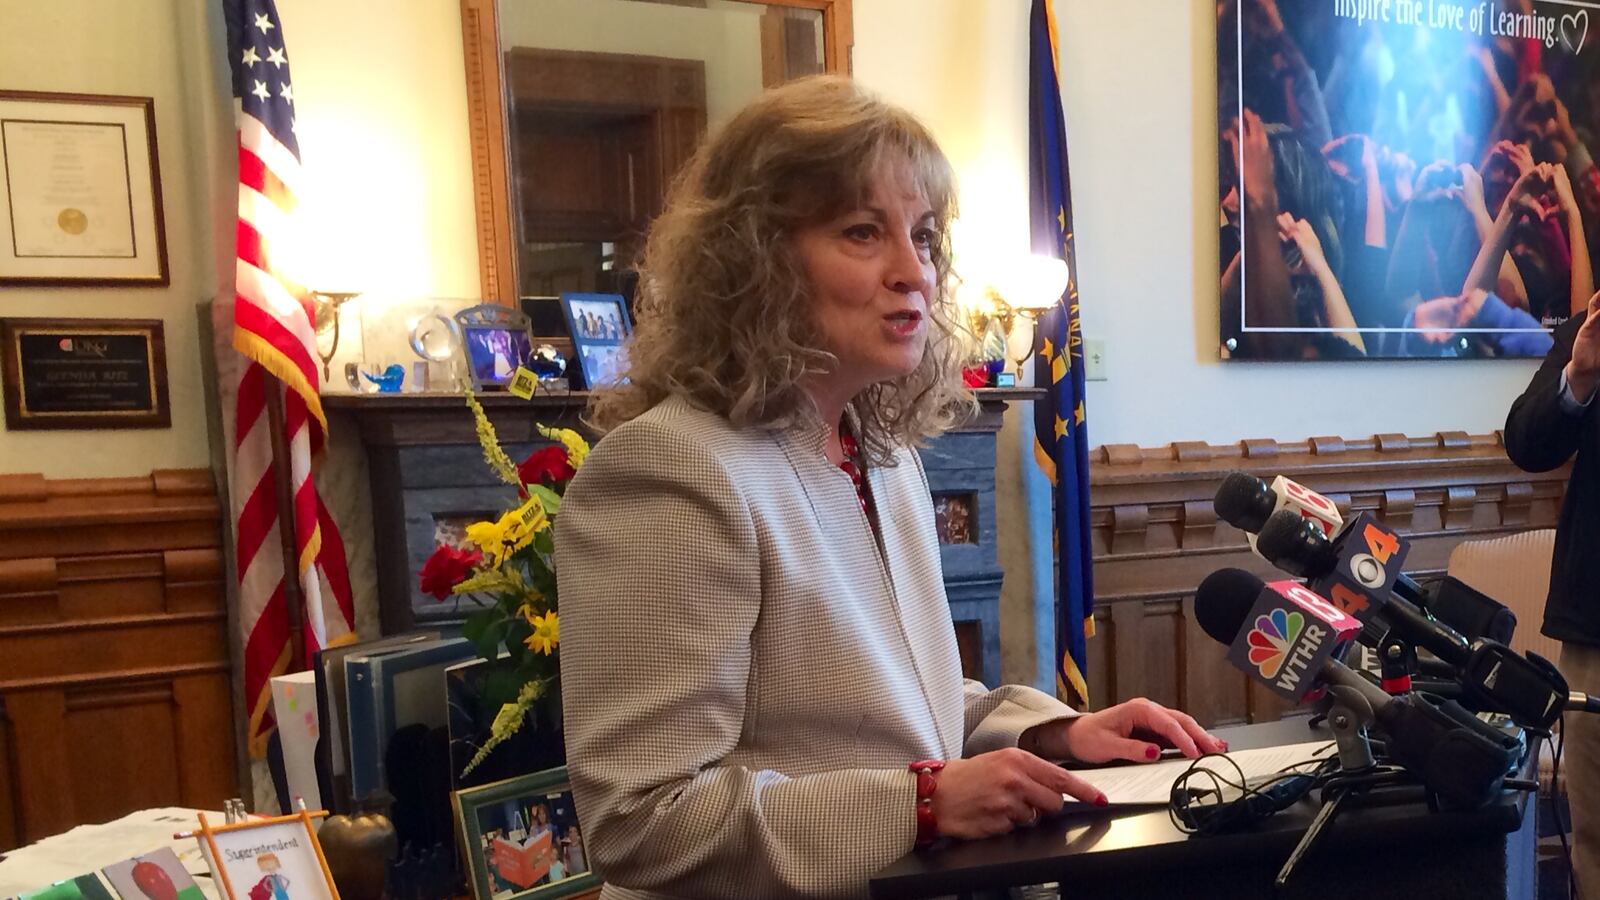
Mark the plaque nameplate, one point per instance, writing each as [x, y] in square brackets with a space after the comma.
[84, 373]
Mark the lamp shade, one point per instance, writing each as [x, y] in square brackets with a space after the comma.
[1034, 282]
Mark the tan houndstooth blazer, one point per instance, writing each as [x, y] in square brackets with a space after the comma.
[744, 675]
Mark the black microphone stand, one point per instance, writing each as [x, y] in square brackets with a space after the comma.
[1350, 716]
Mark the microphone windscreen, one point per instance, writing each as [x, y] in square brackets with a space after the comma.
[1223, 602]
[1289, 542]
[1244, 501]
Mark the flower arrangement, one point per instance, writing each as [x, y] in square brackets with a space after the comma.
[508, 569]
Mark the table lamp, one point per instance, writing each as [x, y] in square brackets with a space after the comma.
[325, 308]
[1025, 291]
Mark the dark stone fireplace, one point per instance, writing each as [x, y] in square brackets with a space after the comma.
[428, 479]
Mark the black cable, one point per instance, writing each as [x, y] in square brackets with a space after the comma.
[1573, 893]
[1230, 813]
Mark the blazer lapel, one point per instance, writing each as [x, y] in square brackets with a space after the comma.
[905, 589]
[911, 555]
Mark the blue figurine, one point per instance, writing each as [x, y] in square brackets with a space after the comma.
[389, 381]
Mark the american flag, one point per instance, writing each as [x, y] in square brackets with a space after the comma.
[273, 328]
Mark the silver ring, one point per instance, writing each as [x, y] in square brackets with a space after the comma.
[1034, 820]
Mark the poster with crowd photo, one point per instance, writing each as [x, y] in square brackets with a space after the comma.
[1405, 178]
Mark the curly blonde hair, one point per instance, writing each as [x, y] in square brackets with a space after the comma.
[724, 309]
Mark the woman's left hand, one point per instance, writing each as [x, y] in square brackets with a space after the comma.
[1108, 734]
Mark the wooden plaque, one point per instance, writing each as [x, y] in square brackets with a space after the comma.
[84, 373]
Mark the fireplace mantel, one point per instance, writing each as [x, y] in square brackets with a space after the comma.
[433, 417]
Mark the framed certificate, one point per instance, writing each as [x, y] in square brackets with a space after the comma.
[80, 191]
[84, 373]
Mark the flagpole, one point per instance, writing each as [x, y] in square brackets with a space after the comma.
[282, 482]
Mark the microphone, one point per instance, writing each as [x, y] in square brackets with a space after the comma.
[1471, 612]
[1360, 570]
[1357, 569]
[1246, 502]
[1294, 548]
[1281, 633]
[1458, 757]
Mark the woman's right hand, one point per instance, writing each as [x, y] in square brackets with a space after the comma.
[994, 792]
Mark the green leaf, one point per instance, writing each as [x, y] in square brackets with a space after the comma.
[486, 631]
[537, 667]
[545, 542]
[501, 687]
[542, 579]
[550, 500]
[517, 631]
[477, 623]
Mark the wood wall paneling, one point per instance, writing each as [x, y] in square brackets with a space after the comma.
[114, 666]
[1156, 537]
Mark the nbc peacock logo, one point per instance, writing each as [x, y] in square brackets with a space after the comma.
[1271, 639]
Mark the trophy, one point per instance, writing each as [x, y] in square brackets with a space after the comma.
[437, 339]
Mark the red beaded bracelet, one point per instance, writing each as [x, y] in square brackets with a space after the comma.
[927, 824]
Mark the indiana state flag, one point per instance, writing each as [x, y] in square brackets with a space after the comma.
[1063, 447]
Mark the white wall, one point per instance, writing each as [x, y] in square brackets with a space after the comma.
[381, 116]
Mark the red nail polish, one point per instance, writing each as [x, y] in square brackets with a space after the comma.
[1152, 752]
[1101, 801]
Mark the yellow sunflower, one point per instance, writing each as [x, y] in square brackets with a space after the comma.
[546, 633]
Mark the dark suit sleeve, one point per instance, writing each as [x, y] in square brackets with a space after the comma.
[1540, 434]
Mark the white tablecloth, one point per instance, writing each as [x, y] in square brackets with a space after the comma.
[90, 848]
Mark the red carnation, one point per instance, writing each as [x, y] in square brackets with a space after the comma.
[446, 568]
[546, 465]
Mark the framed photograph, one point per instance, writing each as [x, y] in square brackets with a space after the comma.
[80, 191]
[522, 838]
[497, 341]
[84, 373]
[600, 330]
[271, 857]
[1368, 148]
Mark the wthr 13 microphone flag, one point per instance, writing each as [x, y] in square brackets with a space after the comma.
[1063, 444]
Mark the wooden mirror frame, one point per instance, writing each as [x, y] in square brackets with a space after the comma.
[487, 127]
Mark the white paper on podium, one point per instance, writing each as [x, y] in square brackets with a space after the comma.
[1150, 784]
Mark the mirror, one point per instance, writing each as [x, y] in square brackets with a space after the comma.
[582, 111]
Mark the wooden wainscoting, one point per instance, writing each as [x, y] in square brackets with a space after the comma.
[1156, 537]
[114, 668]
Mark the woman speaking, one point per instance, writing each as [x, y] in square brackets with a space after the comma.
[761, 686]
